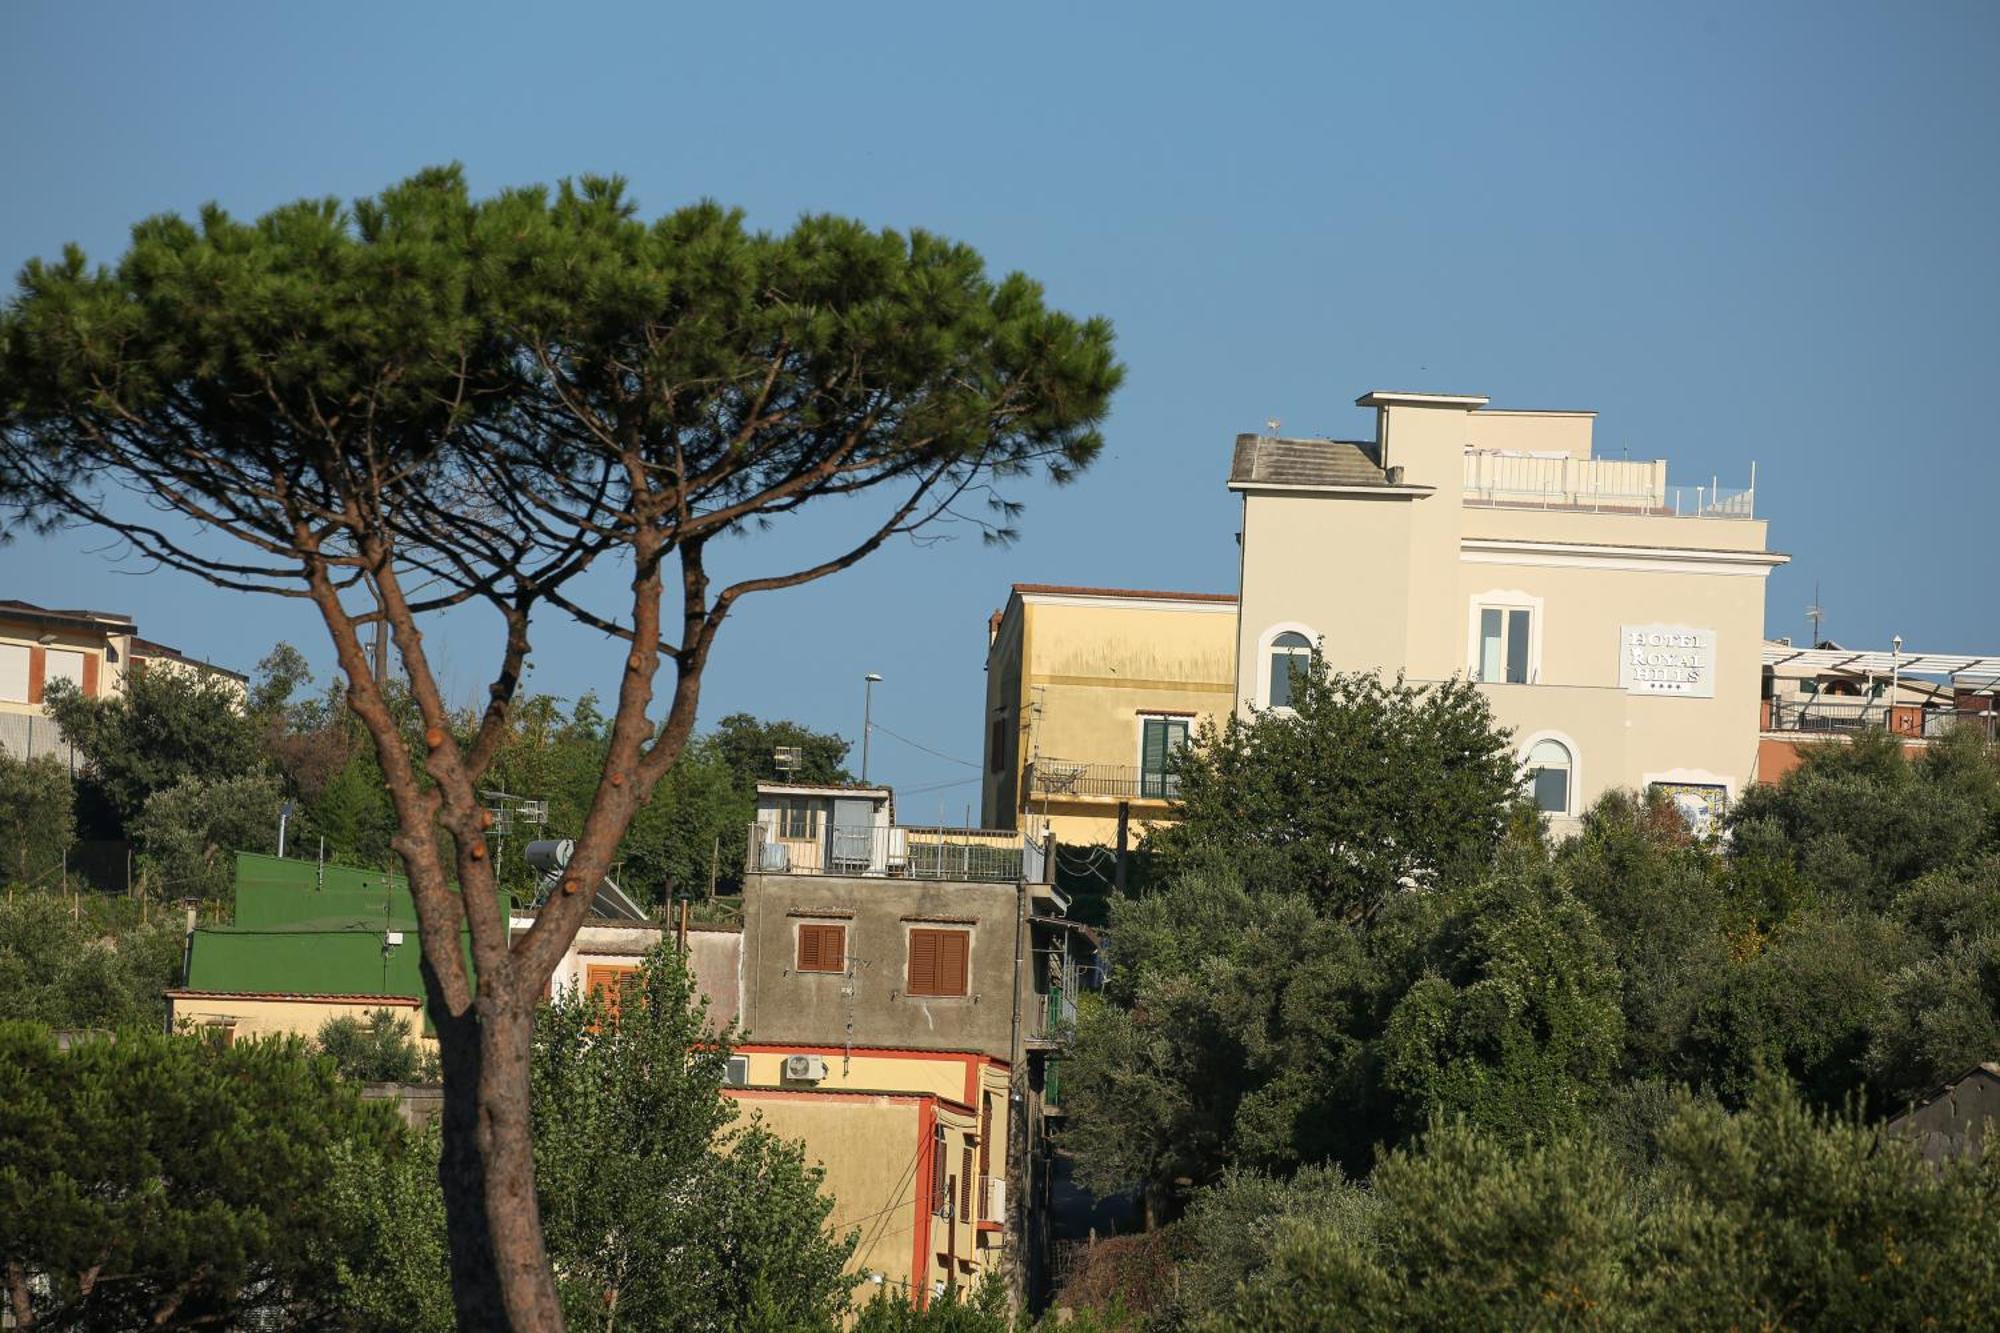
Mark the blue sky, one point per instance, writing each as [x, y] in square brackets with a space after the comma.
[1739, 232]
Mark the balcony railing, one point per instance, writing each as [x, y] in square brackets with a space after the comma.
[1600, 485]
[1059, 778]
[1842, 716]
[897, 852]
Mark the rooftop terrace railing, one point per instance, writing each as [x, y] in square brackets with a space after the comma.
[1843, 716]
[896, 852]
[1598, 485]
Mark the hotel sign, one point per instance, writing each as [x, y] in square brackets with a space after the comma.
[1667, 659]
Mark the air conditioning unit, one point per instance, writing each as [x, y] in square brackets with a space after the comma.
[737, 1072]
[996, 1199]
[805, 1068]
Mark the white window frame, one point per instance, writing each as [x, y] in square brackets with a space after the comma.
[1266, 646]
[1504, 599]
[1574, 794]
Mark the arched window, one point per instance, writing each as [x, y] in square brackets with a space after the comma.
[1289, 651]
[1549, 765]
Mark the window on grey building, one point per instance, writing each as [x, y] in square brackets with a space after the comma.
[1290, 652]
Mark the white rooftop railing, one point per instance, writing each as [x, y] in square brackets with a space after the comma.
[1611, 485]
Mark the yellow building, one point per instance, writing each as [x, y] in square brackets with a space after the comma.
[914, 1145]
[1087, 692]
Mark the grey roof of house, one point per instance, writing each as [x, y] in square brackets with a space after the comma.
[1281, 462]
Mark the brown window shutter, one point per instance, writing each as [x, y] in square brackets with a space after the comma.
[965, 1184]
[822, 948]
[924, 962]
[38, 664]
[90, 675]
[953, 949]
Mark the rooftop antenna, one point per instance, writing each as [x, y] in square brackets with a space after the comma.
[1274, 425]
[788, 760]
[1815, 614]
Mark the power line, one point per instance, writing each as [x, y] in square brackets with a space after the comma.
[925, 748]
[940, 786]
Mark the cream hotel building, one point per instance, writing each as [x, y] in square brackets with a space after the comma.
[1613, 620]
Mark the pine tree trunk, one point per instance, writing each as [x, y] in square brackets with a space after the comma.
[500, 1275]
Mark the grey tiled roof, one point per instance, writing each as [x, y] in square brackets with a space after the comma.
[1282, 462]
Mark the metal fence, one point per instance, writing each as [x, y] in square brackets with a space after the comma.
[1842, 716]
[898, 851]
[30, 736]
[1065, 777]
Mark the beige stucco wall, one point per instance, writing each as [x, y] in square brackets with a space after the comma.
[1530, 432]
[1335, 572]
[272, 1016]
[1390, 583]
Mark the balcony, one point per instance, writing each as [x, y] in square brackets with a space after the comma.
[897, 852]
[1843, 716]
[1597, 485]
[1070, 779]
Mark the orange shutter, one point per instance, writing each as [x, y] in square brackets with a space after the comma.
[965, 1183]
[90, 675]
[611, 984]
[38, 663]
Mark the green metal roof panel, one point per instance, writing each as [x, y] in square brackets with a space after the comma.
[335, 962]
[275, 892]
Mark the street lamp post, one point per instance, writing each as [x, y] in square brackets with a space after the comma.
[1895, 676]
[867, 717]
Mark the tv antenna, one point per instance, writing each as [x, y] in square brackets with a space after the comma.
[1815, 614]
[788, 759]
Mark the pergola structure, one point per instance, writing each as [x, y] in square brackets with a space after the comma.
[1978, 672]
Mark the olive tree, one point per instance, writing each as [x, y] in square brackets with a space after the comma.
[426, 401]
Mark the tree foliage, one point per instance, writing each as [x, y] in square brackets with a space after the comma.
[161, 1181]
[166, 726]
[1773, 1217]
[377, 1049]
[1361, 787]
[427, 400]
[662, 1211]
[37, 817]
[82, 961]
